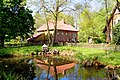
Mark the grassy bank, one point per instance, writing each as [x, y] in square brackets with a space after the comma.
[20, 50]
[107, 57]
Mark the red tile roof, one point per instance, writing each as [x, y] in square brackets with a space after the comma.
[60, 26]
[34, 37]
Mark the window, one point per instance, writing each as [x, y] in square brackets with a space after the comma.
[66, 33]
[62, 33]
[68, 39]
[57, 33]
[118, 21]
[74, 35]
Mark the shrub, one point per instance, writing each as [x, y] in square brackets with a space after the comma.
[116, 34]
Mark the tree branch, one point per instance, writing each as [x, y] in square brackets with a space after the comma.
[66, 10]
[117, 1]
[62, 3]
[49, 10]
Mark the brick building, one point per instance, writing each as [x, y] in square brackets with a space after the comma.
[65, 33]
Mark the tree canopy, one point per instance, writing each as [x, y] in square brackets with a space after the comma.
[15, 20]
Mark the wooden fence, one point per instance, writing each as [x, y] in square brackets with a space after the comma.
[97, 46]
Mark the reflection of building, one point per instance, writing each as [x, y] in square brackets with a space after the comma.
[112, 21]
[65, 33]
[54, 68]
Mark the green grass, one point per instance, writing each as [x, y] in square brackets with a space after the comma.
[107, 57]
[20, 50]
[111, 58]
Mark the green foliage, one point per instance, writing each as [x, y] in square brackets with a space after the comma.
[116, 34]
[39, 20]
[15, 20]
[11, 76]
[92, 25]
[68, 18]
[14, 68]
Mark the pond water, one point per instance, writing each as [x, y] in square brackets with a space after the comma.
[48, 68]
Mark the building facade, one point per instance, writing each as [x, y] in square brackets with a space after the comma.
[65, 33]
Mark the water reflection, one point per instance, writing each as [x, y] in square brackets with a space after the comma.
[61, 69]
[52, 67]
[48, 68]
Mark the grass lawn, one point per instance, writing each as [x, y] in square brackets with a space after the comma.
[107, 57]
[20, 50]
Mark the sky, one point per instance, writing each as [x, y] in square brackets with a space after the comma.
[95, 5]
[35, 6]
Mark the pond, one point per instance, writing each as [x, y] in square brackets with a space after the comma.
[49, 68]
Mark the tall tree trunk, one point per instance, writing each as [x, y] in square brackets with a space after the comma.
[48, 32]
[2, 38]
[55, 30]
[117, 1]
[107, 25]
[56, 19]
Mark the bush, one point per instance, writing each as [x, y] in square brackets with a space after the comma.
[116, 34]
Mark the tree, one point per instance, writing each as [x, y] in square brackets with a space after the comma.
[107, 24]
[92, 25]
[39, 20]
[55, 7]
[95, 23]
[116, 30]
[46, 20]
[68, 19]
[15, 20]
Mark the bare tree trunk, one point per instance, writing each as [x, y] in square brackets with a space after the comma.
[107, 25]
[117, 1]
[55, 31]
[48, 32]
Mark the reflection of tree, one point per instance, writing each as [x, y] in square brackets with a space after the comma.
[88, 73]
[75, 72]
[38, 71]
[112, 74]
[55, 70]
[53, 66]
